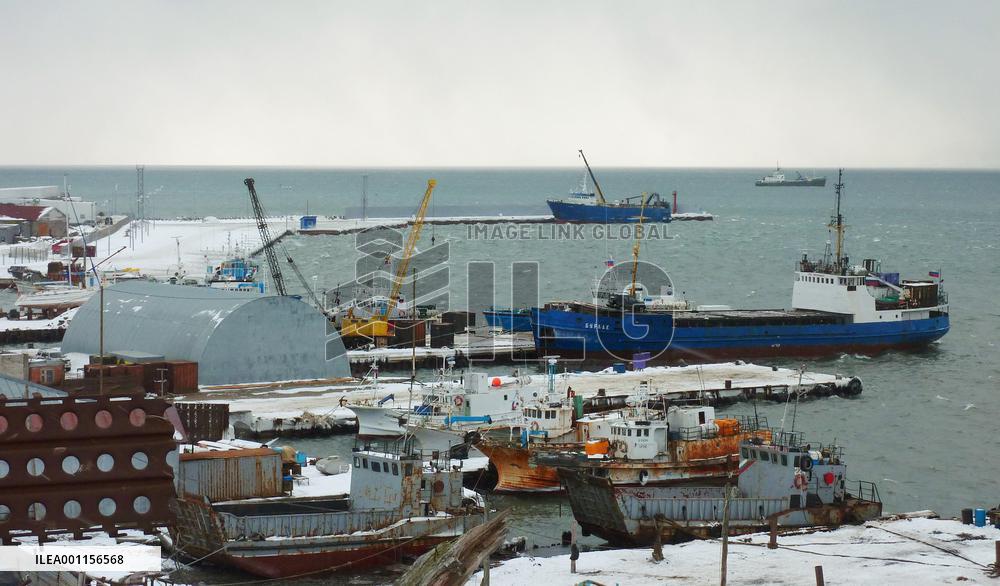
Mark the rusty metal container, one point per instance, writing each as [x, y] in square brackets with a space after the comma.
[153, 372]
[182, 376]
[230, 475]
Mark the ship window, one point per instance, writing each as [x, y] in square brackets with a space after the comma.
[795, 501]
[746, 453]
[375, 466]
[407, 469]
[364, 463]
[774, 457]
[784, 460]
[357, 462]
[395, 469]
[505, 397]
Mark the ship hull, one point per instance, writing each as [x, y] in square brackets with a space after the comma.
[816, 182]
[508, 320]
[515, 474]
[589, 334]
[606, 214]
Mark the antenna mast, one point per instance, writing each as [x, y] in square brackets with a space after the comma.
[837, 224]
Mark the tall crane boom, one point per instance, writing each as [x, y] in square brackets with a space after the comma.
[266, 241]
[411, 245]
[600, 194]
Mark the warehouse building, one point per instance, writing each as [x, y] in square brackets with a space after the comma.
[234, 337]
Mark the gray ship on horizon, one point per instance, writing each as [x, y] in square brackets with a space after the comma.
[778, 179]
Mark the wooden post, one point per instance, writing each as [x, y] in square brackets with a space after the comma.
[773, 542]
[486, 560]
[725, 536]
[573, 547]
[997, 564]
[819, 576]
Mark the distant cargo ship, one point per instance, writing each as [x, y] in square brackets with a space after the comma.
[585, 206]
[836, 307]
[778, 179]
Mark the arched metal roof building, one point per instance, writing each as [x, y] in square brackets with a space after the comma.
[235, 337]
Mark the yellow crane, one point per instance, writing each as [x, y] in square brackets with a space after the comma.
[635, 247]
[376, 327]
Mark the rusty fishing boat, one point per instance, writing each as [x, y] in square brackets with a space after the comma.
[400, 506]
[783, 482]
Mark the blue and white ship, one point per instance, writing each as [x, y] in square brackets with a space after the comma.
[836, 307]
[585, 206]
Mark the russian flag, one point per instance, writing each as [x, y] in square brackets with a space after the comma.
[935, 274]
[873, 282]
[610, 262]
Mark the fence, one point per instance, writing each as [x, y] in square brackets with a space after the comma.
[17, 255]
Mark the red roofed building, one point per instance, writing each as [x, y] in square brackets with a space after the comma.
[38, 220]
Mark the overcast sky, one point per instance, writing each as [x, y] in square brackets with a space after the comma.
[432, 83]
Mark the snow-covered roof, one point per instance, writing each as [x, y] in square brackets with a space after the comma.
[235, 337]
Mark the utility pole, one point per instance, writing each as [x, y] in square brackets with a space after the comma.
[725, 536]
[140, 196]
[364, 197]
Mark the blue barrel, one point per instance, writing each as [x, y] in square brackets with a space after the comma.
[300, 458]
[980, 517]
[619, 367]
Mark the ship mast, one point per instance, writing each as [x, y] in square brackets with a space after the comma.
[600, 194]
[635, 247]
[837, 224]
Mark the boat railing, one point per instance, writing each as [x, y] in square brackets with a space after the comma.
[867, 491]
[306, 524]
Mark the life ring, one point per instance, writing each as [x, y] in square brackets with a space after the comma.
[458, 401]
[800, 481]
[535, 426]
[805, 462]
[643, 477]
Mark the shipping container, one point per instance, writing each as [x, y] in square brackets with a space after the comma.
[182, 376]
[230, 475]
[154, 377]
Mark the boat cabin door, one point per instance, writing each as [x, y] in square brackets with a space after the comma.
[660, 436]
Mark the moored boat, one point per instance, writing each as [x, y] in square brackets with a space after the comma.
[399, 506]
[781, 481]
[508, 320]
[836, 307]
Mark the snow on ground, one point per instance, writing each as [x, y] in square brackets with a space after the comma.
[903, 551]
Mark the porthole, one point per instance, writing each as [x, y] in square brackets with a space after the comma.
[103, 419]
[137, 417]
[36, 466]
[71, 464]
[33, 422]
[72, 509]
[141, 505]
[105, 462]
[3, 424]
[140, 461]
[36, 511]
[107, 506]
[69, 421]
[4, 513]
[4, 468]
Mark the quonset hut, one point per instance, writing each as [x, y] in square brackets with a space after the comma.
[234, 337]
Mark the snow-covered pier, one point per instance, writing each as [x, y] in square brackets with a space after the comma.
[901, 549]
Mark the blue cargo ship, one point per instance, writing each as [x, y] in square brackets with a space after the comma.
[509, 320]
[585, 206]
[836, 307]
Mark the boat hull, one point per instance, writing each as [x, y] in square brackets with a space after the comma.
[582, 334]
[508, 320]
[515, 474]
[639, 517]
[814, 182]
[378, 422]
[564, 211]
